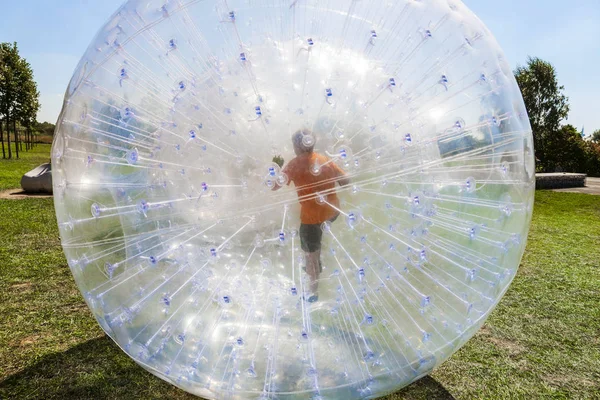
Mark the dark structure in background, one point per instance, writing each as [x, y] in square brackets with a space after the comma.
[38, 180]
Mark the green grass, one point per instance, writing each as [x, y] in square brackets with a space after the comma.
[543, 340]
[12, 170]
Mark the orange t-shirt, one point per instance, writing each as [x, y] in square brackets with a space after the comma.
[307, 185]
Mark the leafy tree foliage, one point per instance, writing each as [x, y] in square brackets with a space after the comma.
[19, 97]
[569, 152]
[546, 104]
[592, 157]
[557, 148]
[565, 150]
[44, 128]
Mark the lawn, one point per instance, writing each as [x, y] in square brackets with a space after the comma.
[12, 170]
[543, 340]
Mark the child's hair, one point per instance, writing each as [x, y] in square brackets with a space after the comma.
[304, 140]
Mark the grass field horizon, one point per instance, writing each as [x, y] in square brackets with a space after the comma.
[542, 341]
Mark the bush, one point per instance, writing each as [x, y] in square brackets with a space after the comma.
[592, 158]
[566, 151]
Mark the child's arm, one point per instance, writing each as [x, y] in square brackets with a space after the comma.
[279, 161]
[342, 178]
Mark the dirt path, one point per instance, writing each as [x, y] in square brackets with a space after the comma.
[17, 194]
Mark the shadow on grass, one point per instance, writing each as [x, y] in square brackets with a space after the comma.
[425, 388]
[98, 369]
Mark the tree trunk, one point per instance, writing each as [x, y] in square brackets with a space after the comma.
[2, 140]
[20, 134]
[16, 137]
[8, 135]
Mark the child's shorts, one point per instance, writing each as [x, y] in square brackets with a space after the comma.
[311, 236]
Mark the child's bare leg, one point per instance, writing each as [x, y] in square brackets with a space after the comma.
[312, 269]
[319, 265]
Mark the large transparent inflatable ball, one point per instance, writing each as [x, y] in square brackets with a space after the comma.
[293, 199]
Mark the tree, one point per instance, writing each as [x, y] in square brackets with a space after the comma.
[546, 104]
[596, 136]
[19, 98]
[7, 90]
[592, 154]
[2, 139]
[28, 95]
[565, 150]
[44, 128]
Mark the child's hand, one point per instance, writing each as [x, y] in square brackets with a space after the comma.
[278, 160]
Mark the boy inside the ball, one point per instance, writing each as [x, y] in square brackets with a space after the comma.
[314, 176]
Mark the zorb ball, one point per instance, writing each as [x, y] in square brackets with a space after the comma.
[296, 198]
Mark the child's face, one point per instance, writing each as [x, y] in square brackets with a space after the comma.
[300, 145]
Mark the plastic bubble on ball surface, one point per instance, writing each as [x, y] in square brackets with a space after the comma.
[190, 244]
[315, 168]
[282, 179]
[308, 141]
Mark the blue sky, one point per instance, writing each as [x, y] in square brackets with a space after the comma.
[53, 35]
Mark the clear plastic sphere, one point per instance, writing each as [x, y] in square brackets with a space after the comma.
[348, 272]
